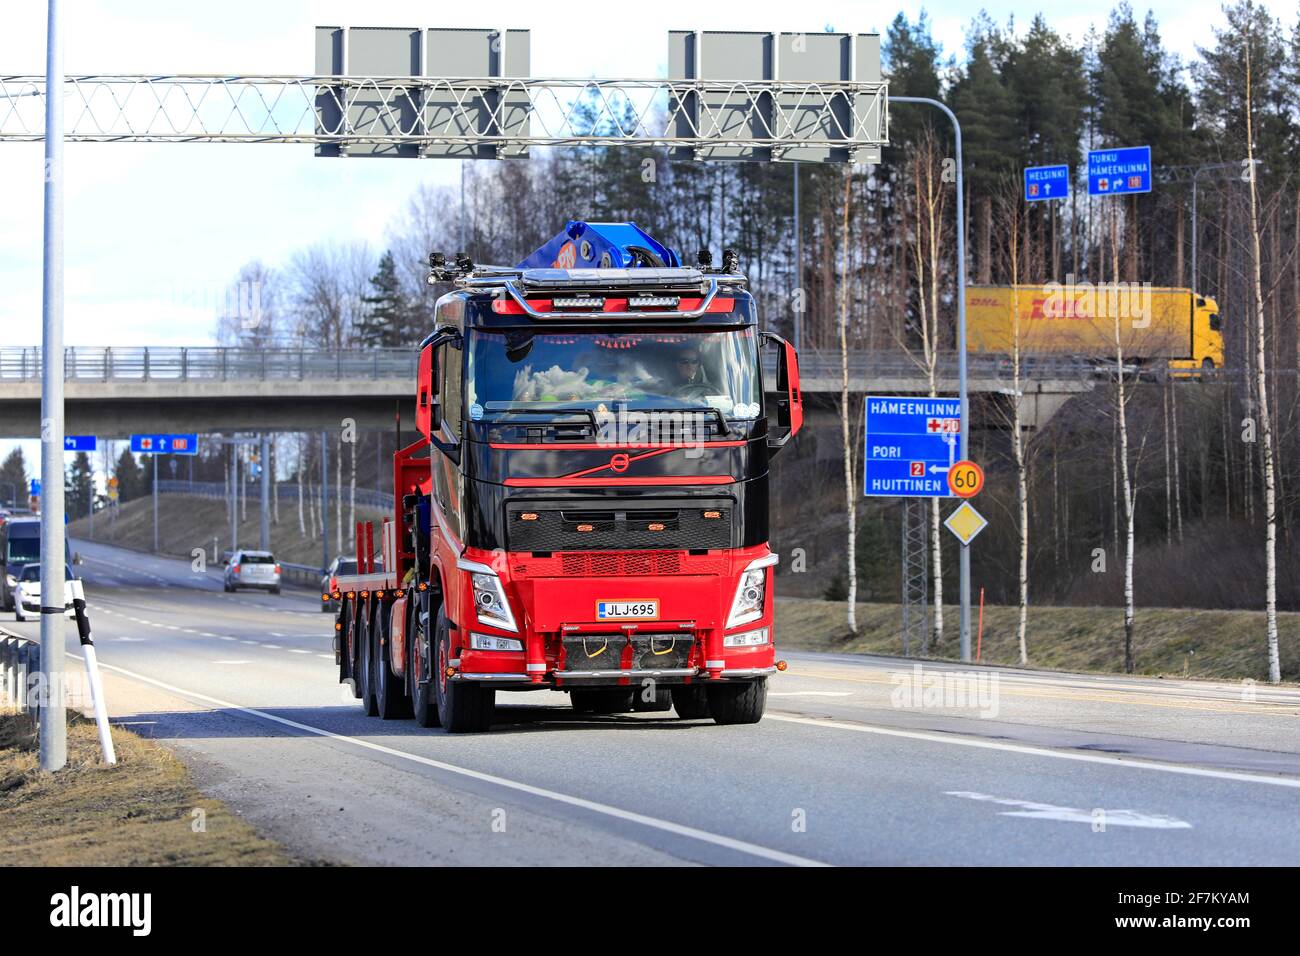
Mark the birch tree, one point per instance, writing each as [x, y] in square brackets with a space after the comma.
[1261, 388]
[850, 493]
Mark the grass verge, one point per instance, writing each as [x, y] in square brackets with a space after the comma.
[1221, 645]
[143, 812]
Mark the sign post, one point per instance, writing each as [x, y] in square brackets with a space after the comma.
[1113, 172]
[911, 444]
[1047, 182]
[154, 445]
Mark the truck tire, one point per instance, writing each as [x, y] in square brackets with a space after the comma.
[661, 699]
[604, 700]
[366, 656]
[390, 693]
[737, 702]
[690, 702]
[463, 708]
[423, 704]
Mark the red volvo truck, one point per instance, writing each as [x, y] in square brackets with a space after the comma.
[586, 506]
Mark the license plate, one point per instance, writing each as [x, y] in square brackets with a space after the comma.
[627, 610]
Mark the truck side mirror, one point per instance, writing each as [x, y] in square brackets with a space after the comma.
[428, 409]
[789, 404]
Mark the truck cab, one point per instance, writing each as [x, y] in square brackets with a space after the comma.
[1207, 336]
[586, 508]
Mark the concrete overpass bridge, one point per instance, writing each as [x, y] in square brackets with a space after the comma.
[115, 392]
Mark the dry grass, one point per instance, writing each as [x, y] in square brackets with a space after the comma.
[138, 813]
[1227, 645]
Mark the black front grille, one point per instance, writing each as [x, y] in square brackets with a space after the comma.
[687, 525]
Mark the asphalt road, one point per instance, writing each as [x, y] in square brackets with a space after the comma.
[859, 760]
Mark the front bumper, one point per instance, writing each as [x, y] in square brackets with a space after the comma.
[564, 645]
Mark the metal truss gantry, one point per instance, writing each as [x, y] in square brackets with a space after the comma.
[511, 114]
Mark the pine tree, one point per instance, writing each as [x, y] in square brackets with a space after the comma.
[130, 479]
[13, 479]
[387, 320]
[79, 487]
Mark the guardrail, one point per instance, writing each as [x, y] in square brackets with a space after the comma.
[212, 363]
[307, 572]
[20, 659]
[286, 491]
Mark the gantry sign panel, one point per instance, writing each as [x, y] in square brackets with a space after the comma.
[464, 117]
[808, 99]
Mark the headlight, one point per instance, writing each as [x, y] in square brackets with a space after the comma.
[488, 642]
[750, 592]
[490, 602]
[11, 581]
[746, 639]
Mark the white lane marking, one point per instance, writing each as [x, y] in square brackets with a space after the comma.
[808, 693]
[296, 650]
[278, 634]
[273, 647]
[210, 634]
[224, 638]
[328, 657]
[232, 662]
[1048, 811]
[249, 642]
[1114, 761]
[678, 829]
[131, 640]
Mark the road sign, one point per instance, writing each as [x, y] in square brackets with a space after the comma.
[34, 487]
[966, 479]
[165, 444]
[1117, 171]
[965, 522]
[1047, 182]
[911, 443]
[78, 442]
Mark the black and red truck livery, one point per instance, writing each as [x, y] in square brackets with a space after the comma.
[585, 509]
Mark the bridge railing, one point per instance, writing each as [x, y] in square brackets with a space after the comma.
[212, 363]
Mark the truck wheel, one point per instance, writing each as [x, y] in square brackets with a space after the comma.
[661, 699]
[463, 708]
[390, 693]
[613, 700]
[690, 702]
[418, 666]
[366, 656]
[738, 702]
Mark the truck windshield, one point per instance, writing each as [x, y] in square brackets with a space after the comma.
[639, 370]
[24, 550]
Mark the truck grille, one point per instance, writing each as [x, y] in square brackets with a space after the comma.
[655, 526]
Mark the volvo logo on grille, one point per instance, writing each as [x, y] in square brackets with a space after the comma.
[619, 462]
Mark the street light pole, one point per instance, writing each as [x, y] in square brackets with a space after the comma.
[53, 720]
[798, 265]
[964, 554]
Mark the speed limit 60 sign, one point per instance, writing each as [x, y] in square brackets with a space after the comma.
[965, 479]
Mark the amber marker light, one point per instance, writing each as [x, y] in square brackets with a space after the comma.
[781, 665]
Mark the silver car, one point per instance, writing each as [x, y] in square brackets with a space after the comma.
[252, 569]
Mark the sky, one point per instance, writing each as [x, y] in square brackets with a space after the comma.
[155, 233]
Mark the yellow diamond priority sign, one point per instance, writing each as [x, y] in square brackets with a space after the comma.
[965, 522]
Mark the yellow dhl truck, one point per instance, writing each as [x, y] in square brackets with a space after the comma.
[1156, 325]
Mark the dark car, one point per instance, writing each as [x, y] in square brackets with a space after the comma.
[330, 582]
[20, 544]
